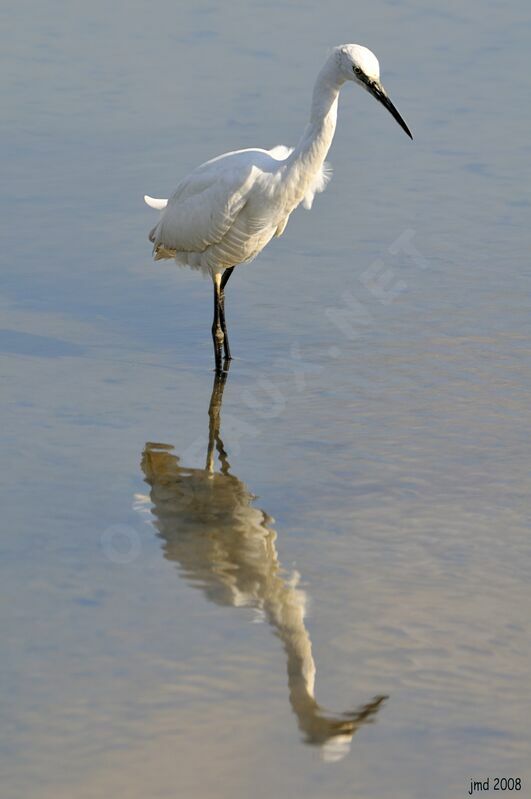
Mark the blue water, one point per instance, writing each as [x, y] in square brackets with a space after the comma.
[375, 418]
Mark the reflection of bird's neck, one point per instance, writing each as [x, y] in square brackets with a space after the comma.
[285, 608]
[283, 604]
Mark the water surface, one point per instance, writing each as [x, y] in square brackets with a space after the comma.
[322, 588]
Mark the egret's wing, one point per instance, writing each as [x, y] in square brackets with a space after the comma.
[203, 208]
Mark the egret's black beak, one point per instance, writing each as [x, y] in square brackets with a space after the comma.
[378, 91]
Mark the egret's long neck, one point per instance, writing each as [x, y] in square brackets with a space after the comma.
[315, 142]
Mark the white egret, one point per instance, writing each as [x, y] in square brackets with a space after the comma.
[226, 211]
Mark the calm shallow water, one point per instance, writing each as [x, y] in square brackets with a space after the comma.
[161, 638]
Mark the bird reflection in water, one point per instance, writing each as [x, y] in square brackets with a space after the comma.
[226, 546]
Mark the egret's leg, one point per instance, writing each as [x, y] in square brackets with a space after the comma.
[224, 280]
[218, 336]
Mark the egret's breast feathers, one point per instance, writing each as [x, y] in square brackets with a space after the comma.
[312, 184]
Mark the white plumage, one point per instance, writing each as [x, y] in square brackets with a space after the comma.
[227, 210]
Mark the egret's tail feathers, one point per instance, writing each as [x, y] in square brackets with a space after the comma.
[161, 253]
[153, 202]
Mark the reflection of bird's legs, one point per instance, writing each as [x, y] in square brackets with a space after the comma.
[224, 280]
[214, 412]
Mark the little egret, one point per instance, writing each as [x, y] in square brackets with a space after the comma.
[226, 211]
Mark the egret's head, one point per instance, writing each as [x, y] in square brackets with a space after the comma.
[360, 65]
[358, 62]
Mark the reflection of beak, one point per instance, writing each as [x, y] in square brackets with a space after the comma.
[378, 91]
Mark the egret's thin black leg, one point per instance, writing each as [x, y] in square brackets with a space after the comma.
[225, 277]
[226, 347]
[218, 336]
[224, 280]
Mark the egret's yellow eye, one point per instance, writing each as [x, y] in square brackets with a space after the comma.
[357, 70]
